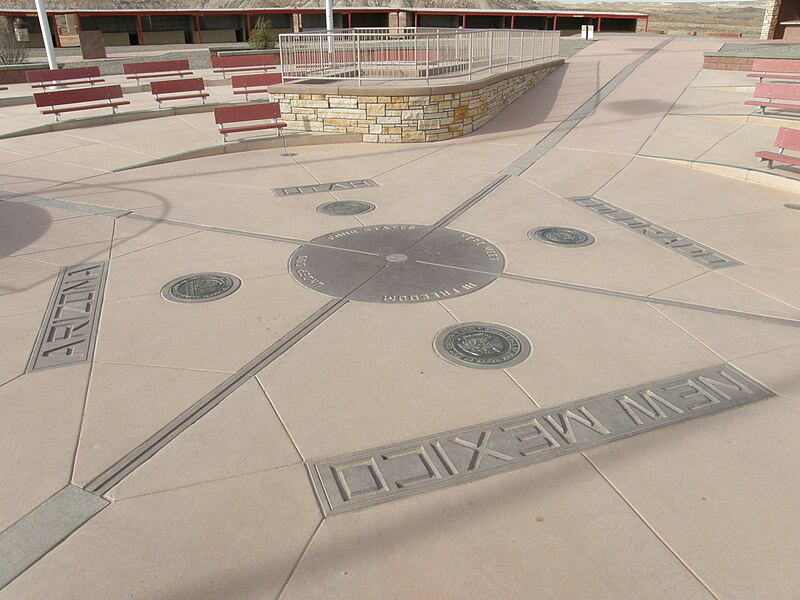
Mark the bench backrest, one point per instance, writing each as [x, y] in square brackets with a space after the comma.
[776, 65]
[174, 86]
[788, 138]
[62, 97]
[777, 91]
[244, 60]
[258, 80]
[47, 75]
[162, 66]
[247, 112]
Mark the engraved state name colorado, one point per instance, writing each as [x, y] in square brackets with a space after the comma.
[373, 476]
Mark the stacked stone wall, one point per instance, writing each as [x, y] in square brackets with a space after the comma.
[406, 117]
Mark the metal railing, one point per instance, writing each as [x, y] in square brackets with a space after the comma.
[410, 53]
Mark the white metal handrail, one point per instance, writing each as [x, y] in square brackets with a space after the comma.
[411, 53]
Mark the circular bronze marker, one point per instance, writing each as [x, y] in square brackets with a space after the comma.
[346, 207]
[397, 264]
[482, 346]
[562, 236]
[201, 287]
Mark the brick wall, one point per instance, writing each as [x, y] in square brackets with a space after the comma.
[422, 114]
[728, 63]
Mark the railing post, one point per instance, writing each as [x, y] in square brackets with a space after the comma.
[427, 59]
[491, 49]
[469, 59]
[508, 49]
[357, 44]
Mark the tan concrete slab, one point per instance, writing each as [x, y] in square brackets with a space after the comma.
[647, 188]
[220, 543]
[556, 170]
[781, 283]
[127, 404]
[116, 132]
[731, 337]
[217, 336]
[712, 78]
[518, 206]
[583, 344]
[40, 417]
[242, 435]
[39, 174]
[351, 397]
[7, 157]
[605, 138]
[618, 260]
[132, 235]
[341, 162]
[716, 498]
[687, 137]
[42, 145]
[718, 289]
[97, 156]
[740, 147]
[23, 225]
[56, 235]
[148, 270]
[74, 254]
[163, 144]
[25, 285]
[734, 235]
[467, 541]
[708, 101]
[403, 198]
[776, 369]
[19, 336]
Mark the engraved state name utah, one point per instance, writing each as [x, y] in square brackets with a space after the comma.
[374, 476]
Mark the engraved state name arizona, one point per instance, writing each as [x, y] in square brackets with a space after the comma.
[373, 476]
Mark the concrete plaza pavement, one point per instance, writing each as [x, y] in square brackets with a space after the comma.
[224, 506]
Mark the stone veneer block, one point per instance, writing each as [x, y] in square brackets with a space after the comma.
[420, 113]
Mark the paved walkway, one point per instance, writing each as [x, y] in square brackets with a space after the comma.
[310, 436]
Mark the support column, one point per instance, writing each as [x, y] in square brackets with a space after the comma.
[770, 20]
[139, 31]
[55, 31]
[199, 32]
[44, 23]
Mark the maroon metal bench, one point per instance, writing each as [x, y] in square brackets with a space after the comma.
[61, 101]
[785, 69]
[254, 84]
[787, 139]
[259, 116]
[162, 68]
[178, 89]
[782, 96]
[42, 78]
[243, 62]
